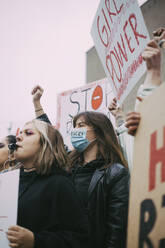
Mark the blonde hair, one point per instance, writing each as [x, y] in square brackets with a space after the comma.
[52, 150]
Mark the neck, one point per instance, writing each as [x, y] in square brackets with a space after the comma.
[28, 166]
[90, 153]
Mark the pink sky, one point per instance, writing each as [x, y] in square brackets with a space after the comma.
[42, 42]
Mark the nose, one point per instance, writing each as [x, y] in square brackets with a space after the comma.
[19, 138]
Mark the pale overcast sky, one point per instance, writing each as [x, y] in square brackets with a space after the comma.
[42, 42]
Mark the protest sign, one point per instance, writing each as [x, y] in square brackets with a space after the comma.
[120, 35]
[95, 96]
[147, 193]
[9, 182]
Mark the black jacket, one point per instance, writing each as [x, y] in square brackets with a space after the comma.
[107, 206]
[50, 208]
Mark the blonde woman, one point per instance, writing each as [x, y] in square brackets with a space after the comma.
[49, 212]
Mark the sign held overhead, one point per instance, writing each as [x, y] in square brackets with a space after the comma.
[120, 36]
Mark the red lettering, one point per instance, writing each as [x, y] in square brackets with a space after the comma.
[106, 20]
[156, 156]
[121, 52]
[134, 27]
[109, 11]
[109, 58]
[128, 40]
[118, 11]
[103, 30]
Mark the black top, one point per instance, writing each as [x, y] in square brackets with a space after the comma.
[105, 193]
[82, 176]
[50, 208]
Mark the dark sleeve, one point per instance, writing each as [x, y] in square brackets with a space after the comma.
[117, 213]
[44, 118]
[71, 228]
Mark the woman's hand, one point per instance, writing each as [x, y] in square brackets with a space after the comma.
[37, 93]
[20, 237]
[132, 122]
[159, 36]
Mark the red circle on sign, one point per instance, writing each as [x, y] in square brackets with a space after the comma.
[97, 97]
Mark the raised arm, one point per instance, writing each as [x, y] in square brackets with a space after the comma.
[37, 93]
[152, 57]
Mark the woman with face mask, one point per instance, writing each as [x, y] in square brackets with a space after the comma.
[101, 178]
[49, 212]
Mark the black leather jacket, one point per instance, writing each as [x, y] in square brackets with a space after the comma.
[108, 206]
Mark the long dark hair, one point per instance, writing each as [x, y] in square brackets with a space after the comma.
[108, 147]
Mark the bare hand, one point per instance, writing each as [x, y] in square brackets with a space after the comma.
[132, 122]
[152, 56]
[113, 107]
[37, 92]
[159, 34]
[20, 237]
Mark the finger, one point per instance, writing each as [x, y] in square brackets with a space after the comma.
[12, 239]
[14, 228]
[132, 121]
[34, 90]
[13, 245]
[152, 49]
[158, 31]
[132, 132]
[12, 233]
[37, 87]
[132, 124]
[149, 55]
[153, 44]
[139, 98]
[133, 113]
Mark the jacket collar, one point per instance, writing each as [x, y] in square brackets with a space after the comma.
[98, 174]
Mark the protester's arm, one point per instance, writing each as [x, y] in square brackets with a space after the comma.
[152, 56]
[117, 112]
[37, 93]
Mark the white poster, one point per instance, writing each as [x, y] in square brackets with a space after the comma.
[120, 36]
[95, 96]
[9, 182]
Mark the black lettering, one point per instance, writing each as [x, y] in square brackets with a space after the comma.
[147, 207]
[86, 97]
[75, 102]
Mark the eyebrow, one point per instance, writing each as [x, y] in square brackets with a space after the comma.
[80, 122]
[27, 129]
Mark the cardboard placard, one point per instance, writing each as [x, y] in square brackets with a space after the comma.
[120, 35]
[147, 193]
[95, 96]
[9, 182]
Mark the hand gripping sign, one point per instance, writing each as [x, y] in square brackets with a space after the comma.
[120, 35]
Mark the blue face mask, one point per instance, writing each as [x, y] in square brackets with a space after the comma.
[78, 139]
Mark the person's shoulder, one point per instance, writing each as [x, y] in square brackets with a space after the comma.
[60, 176]
[116, 171]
